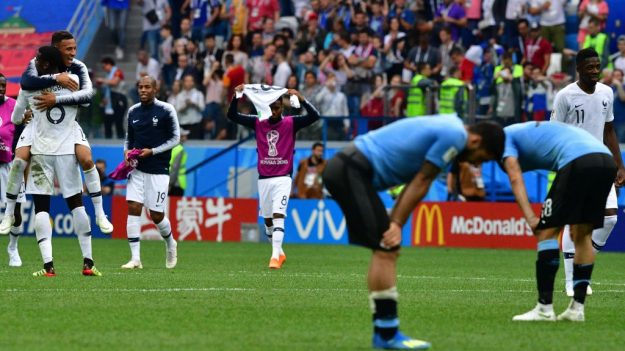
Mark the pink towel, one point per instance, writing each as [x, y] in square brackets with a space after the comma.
[123, 170]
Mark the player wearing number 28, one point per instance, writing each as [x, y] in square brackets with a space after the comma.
[587, 104]
[275, 138]
[152, 128]
[585, 171]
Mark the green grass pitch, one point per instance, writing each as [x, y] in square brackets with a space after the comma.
[222, 297]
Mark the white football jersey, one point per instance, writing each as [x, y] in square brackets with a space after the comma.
[587, 111]
[53, 128]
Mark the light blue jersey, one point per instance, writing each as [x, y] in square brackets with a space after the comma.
[397, 151]
[549, 145]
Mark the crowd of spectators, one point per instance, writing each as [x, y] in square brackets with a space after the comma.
[357, 58]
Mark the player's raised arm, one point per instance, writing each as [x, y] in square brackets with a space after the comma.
[85, 93]
[32, 81]
[240, 118]
[312, 114]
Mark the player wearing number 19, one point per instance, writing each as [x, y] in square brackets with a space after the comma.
[585, 171]
[152, 128]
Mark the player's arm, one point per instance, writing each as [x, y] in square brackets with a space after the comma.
[17, 117]
[239, 118]
[515, 174]
[32, 81]
[408, 199]
[611, 141]
[175, 133]
[312, 115]
[129, 143]
[82, 96]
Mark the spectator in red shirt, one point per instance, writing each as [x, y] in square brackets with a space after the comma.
[465, 66]
[234, 76]
[259, 9]
[537, 50]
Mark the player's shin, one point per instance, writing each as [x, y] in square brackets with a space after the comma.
[164, 227]
[92, 181]
[277, 237]
[581, 280]
[547, 266]
[600, 235]
[14, 236]
[82, 226]
[384, 309]
[133, 229]
[568, 251]
[16, 178]
[43, 232]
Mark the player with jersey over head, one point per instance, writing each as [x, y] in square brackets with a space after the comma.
[152, 128]
[53, 155]
[585, 172]
[81, 94]
[412, 152]
[275, 140]
[587, 104]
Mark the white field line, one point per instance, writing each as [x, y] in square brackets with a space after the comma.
[302, 290]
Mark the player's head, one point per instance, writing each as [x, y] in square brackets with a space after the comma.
[48, 60]
[588, 66]
[276, 108]
[3, 87]
[485, 142]
[65, 42]
[146, 86]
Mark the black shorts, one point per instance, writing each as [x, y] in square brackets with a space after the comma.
[579, 192]
[349, 178]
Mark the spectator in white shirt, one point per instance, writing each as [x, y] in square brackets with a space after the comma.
[333, 103]
[283, 70]
[189, 104]
[147, 66]
[551, 20]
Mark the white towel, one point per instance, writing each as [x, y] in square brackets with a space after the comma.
[262, 96]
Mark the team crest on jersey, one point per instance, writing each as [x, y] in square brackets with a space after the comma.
[605, 103]
[154, 121]
[272, 140]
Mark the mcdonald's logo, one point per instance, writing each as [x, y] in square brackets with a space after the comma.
[432, 216]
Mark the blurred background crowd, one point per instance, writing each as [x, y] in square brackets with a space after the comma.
[356, 60]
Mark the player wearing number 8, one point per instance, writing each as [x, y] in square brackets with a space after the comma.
[152, 128]
[585, 171]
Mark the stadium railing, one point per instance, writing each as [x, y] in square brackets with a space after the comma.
[84, 25]
[235, 177]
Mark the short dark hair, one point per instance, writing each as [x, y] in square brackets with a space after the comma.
[100, 160]
[51, 55]
[209, 36]
[229, 58]
[493, 137]
[456, 51]
[453, 70]
[61, 35]
[316, 144]
[421, 66]
[595, 21]
[166, 26]
[108, 60]
[524, 21]
[584, 54]
[446, 29]
[506, 55]
[309, 72]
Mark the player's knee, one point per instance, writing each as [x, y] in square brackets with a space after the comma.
[42, 203]
[42, 222]
[86, 164]
[387, 255]
[278, 215]
[157, 217]
[269, 222]
[611, 212]
[22, 153]
[74, 201]
[134, 208]
[81, 220]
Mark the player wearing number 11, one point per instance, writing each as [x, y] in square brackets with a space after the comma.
[153, 128]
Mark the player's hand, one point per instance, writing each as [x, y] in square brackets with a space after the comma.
[66, 82]
[296, 93]
[28, 116]
[533, 223]
[620, 177]
[239, 88]
[392, 237]
[146, 153]
[45, 101]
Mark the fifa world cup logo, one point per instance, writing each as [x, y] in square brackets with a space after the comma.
[272, 139]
